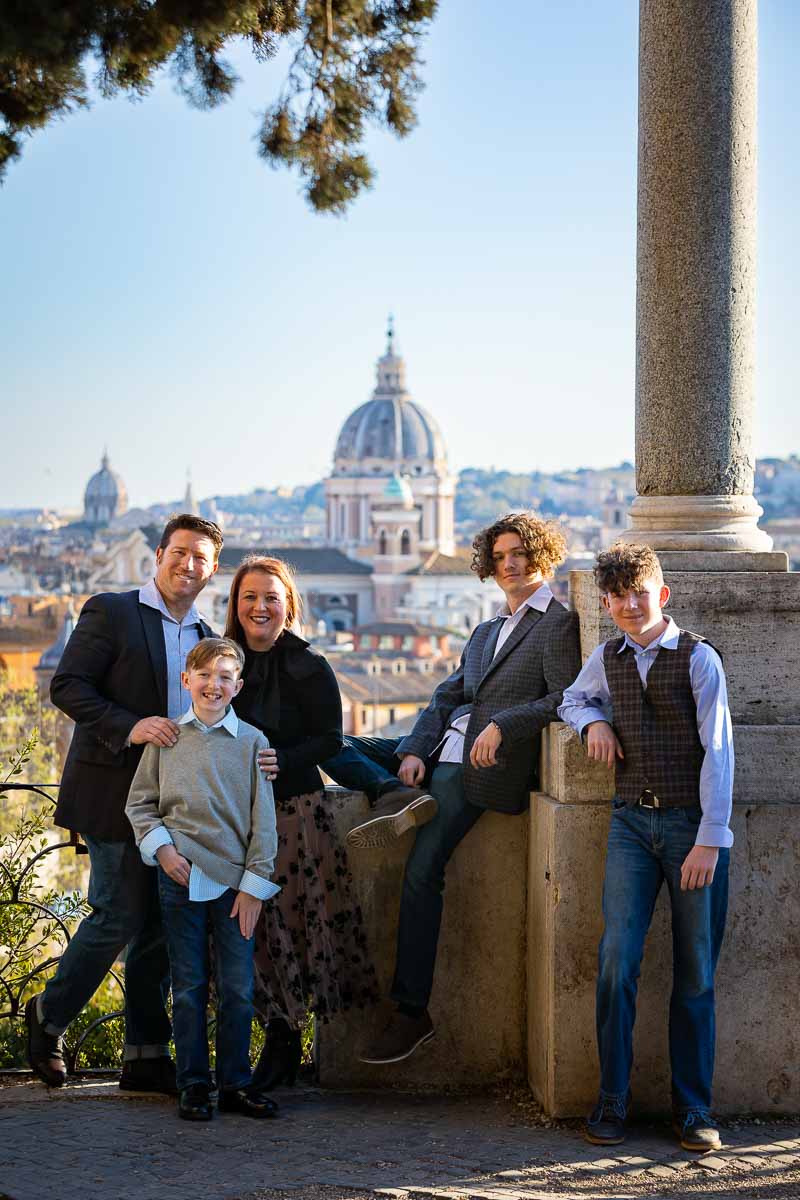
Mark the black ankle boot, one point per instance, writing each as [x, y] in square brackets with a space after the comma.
[279, 1061]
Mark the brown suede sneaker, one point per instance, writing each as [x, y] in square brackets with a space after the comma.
[400, 1038]
[392, 816]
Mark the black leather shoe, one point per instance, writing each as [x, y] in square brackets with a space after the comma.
[149, 1075]
[45, 1050]
[249, 1101]
[605, 1125]
[279, 1060]
[195, 1103]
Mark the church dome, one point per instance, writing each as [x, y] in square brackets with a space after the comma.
[105, 496]
[391, 433]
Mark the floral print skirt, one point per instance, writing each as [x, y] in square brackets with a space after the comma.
[310, 949]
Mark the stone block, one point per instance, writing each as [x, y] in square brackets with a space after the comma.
[478, 1003]
[724, 560]
[567, 773]
[752, 618]
[767, 758]
[758, 1039]
[766, 766]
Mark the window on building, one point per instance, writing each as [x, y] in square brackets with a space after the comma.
[407, 643]
[386, 642]
[399, 666]
[405, 542]
[382, 542]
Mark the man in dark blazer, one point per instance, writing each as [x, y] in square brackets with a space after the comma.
[119, 681]
[481, 734]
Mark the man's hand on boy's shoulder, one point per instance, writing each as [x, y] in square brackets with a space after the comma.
[248, 909]
[174, 864]
[602, 744]
[698, 867]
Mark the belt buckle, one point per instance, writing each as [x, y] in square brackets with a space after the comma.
[651, 801]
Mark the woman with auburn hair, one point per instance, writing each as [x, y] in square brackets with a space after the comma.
[310, 952]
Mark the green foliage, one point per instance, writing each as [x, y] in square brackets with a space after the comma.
[355, 62]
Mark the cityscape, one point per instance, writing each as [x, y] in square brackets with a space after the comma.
[380, 548]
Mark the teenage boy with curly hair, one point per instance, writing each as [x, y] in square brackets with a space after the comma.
[477, 743]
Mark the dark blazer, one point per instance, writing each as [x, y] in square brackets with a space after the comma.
[112, 673]
[520, 690]
[308, 729]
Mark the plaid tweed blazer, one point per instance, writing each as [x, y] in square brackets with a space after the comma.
[519, 689]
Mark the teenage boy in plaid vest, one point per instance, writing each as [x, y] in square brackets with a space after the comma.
[653, 703]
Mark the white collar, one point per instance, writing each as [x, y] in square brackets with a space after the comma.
[538, 600]
[230, 721]
[668, 639]
[151, 596]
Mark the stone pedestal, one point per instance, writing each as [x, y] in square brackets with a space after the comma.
[478, 1001]
[754, 620]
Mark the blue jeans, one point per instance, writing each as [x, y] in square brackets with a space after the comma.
[366, 765]
[421, 902]
[123, 894]
[187, 924]
[645, 848]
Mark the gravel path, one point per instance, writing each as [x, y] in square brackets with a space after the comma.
[92, 1142]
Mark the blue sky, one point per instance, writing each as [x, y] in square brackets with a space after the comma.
[169, 296]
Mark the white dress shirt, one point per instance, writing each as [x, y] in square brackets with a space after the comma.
[453, 746]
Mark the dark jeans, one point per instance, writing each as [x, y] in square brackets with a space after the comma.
[646, 847]
[188, 923]
[366, 765]
[421, 901]
[123, 893]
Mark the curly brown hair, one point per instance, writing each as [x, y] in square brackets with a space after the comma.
[543, 542]
[625, 567]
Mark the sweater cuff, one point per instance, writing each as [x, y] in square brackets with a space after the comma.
[151, 842]
[255, 885]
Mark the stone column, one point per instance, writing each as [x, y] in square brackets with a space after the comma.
[696, 275]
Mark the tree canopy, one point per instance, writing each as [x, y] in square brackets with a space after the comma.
[354, 63]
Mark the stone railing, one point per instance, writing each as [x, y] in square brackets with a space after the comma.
[32, 944]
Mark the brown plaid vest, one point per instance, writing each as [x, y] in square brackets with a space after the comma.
[657, 724]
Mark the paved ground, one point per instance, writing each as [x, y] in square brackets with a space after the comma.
[90, 1141]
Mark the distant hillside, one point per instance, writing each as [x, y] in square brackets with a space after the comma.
[483, 493]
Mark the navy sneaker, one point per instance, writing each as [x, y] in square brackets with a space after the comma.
[696, 1130]
[605, 1125]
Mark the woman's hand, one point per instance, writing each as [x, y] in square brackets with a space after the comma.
[248, 910]
[268, 763]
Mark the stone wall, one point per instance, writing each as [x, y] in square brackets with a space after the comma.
[478, 1001]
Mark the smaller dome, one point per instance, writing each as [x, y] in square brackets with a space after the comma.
[105, 496]
[398, 490]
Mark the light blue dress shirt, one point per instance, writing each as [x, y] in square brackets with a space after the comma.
[201, 886]
[589, 699]
[179, 637]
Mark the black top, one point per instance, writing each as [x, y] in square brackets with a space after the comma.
[291, 694]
